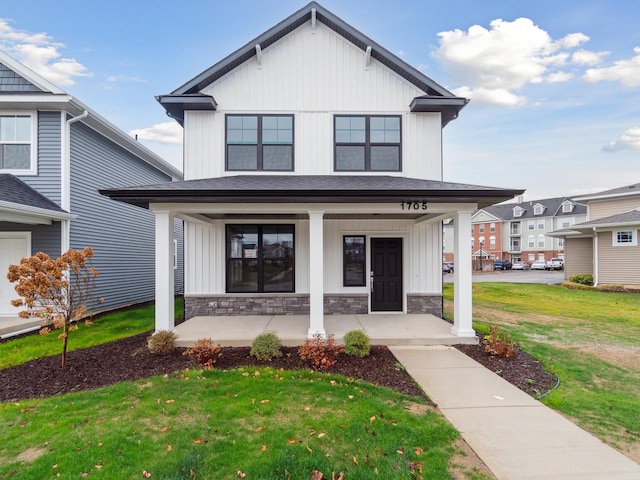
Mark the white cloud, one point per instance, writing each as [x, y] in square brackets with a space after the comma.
[558, 77]
[585, 57]
[111, 80]
[168, 132]
[38, 52]
[625, 71]
[493, 64]
[629, 140]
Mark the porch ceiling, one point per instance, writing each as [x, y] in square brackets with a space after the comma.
[328, 216]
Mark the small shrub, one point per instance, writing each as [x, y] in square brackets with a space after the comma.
[162, 342]
[582, 278]
[266, 346]
[321, 352]
[204, 352]
[356, 343]
[499, 343]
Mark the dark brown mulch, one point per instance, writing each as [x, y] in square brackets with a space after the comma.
[130, 359]
[523, 371]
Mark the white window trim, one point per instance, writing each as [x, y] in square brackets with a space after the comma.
[634, 237]
[33, 169]
[538, 209]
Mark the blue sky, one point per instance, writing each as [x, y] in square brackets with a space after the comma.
[554, 85]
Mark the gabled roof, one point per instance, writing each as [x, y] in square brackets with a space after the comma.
[37, 93]
[309, 188]
[19, 199]
[624, 219]
[553, 208]
[436, 98]
[627, 190]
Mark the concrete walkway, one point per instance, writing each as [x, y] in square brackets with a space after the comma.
[10, 326]
[516, 436]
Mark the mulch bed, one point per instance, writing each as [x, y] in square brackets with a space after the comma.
[130, 359]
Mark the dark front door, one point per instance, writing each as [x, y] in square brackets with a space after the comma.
[386, 275]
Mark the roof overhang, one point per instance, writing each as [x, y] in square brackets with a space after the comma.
[449, 107]
[25, 214]
[175, 105]
[310, 189]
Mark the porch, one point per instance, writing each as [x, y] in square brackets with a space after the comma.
[293, 330]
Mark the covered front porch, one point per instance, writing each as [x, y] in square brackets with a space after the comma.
[382, 329]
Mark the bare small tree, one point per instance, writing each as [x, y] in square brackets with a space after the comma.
[57, 291]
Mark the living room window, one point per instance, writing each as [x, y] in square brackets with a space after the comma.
[259, 142]
[367, 143]
[354, 260]
[17, 151]
[260, 258]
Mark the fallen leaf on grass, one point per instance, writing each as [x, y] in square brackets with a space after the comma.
[259, 429]
[164, 429]
[146, 474]
[263, 448]
[170, 401]
[320, 435]
[169, 448]
[355, 460]
[197, 441]
[241, 474]
[372, 419]
[292, 442]
[264, 401]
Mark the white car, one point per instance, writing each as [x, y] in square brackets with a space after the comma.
[520, 266]
[539, 265]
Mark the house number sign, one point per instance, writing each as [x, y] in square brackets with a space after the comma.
[413, 205]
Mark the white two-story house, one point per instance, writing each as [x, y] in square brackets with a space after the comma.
[313, 182]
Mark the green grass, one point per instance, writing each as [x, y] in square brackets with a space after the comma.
[111, 326]
[588, 339]
[266, 423]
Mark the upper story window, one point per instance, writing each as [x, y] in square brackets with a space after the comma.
[531, 224]
[538, 209]
[367, 143]
[518, 211]
[567, 207]
[17, 151]
[260, 142]
[482, 228]
[492, 227]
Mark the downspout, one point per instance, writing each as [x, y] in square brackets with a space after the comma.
[595, 257]
[66, 178]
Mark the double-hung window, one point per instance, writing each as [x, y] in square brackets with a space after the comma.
[17, 152]
[367, 143]
[260, 142]
[260, 258]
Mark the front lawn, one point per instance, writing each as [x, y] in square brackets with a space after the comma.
[262, 423]
[589, 339]
[106, 328]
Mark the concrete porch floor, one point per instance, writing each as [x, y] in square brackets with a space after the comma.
[382, 329]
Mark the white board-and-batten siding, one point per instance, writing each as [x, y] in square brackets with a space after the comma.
[205, 254]
[314, 75]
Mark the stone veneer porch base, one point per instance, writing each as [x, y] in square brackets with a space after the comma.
[297, 304]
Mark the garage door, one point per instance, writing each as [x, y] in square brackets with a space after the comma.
[13, 247]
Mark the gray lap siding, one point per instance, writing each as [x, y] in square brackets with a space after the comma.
[122, 236]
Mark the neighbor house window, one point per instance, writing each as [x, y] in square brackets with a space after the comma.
[531, 241]
[260, 258]
[260, 142]
[540, 224]
[17, 150]
[531, 224]
[492, 227]
[538, 209]
[567, 207]
[354, 260]
[625, 238]
[367, 143]
[492, 242]
[540, 241]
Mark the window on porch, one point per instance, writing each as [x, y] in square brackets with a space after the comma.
[260, 258]
[354, 255]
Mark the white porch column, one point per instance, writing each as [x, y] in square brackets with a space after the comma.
[164, 271]
[316, 274]
[462, 277]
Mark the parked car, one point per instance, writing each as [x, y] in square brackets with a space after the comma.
[555, 264]
[520, 266]
[502, 265]
[539, 265]
[447, 267]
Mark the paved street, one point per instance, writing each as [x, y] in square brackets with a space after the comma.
[515, 276]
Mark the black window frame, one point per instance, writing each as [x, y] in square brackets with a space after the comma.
[367, 144]
[259, 143]
[259, 257]
[346, 261]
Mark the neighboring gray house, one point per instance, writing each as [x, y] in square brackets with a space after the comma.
[606, 245]
[55, 153]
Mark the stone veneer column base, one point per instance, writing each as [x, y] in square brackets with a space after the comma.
[425, 303]
[271, 304]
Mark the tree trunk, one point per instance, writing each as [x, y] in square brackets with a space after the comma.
[64, 344]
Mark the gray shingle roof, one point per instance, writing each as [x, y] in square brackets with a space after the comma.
[14, 190]
[633, 189]
[310, 188]
[553, 209]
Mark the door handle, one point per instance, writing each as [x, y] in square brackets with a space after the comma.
[371, 280]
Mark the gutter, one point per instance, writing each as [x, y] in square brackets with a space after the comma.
[595, 257]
